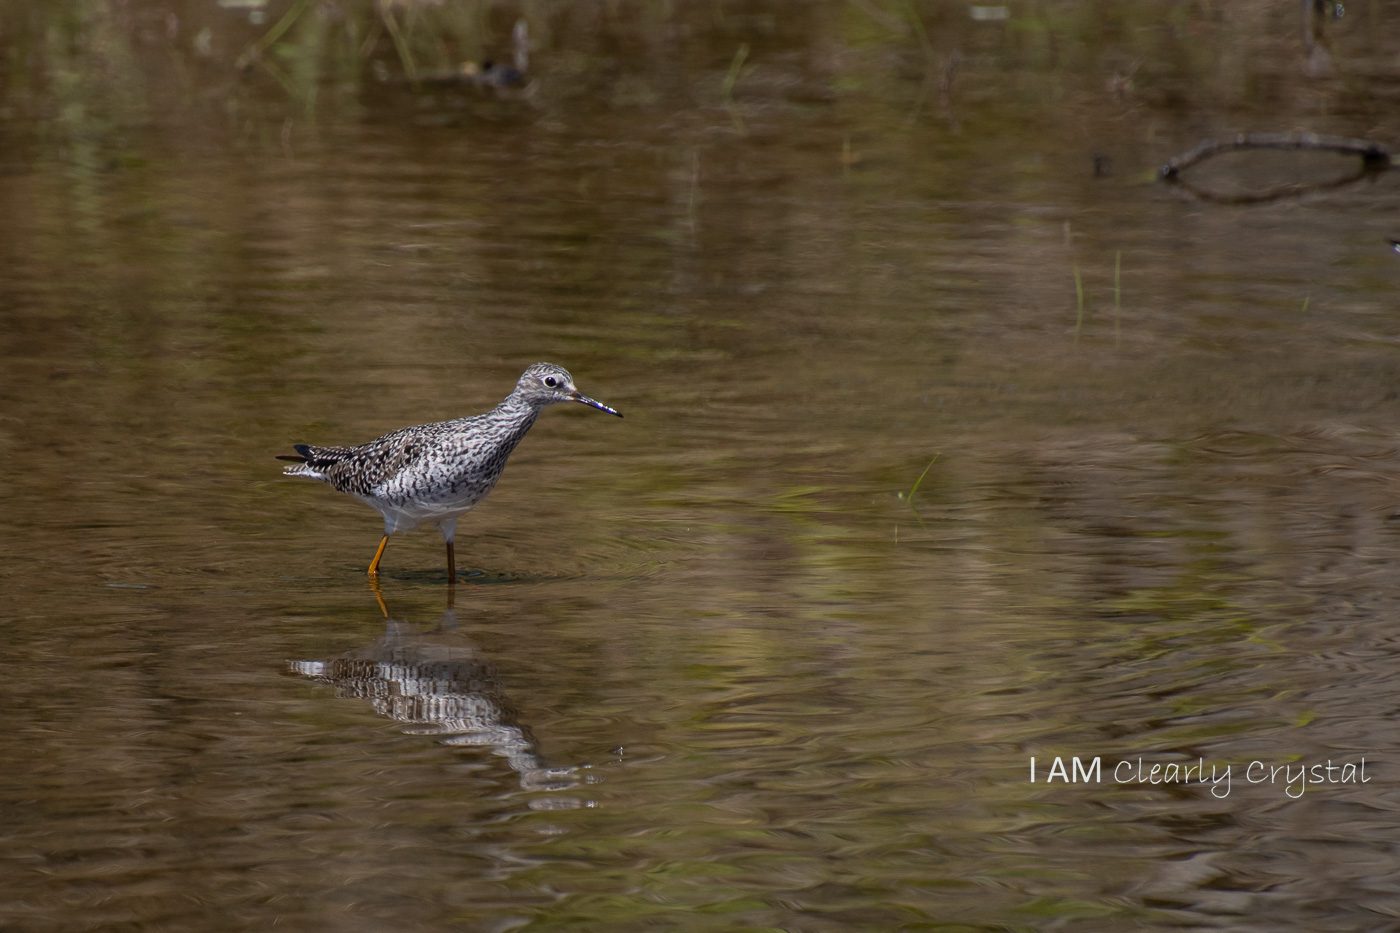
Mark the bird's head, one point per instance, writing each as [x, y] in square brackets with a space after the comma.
[547, 384]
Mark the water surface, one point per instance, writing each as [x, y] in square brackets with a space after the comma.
[728, 663]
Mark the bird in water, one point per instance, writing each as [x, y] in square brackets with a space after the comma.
[437, 472]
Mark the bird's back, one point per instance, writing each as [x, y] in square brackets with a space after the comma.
[444, 461]
[364, 469]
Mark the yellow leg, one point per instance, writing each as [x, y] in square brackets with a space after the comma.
[378, 555]
[451, 565]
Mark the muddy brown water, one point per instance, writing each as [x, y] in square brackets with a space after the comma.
[711, 666]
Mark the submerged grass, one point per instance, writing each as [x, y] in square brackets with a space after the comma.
[1117, 292]
[1079, 302]
[254, 51]
[731, 78]
[908, 497]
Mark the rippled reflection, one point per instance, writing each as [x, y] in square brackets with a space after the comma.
[436, 683]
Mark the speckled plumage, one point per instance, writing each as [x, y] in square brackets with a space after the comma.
[436, 472]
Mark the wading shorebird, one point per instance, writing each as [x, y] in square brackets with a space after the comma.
[437, 472]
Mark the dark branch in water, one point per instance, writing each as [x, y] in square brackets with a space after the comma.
[1373, 155]
[1375, 158]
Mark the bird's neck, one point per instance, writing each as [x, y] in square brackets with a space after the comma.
[518, 415]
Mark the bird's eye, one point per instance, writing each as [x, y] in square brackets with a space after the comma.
[551, 381]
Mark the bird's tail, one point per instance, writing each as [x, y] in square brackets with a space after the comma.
[311, 460]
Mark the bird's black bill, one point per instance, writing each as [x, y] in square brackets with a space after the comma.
[594, 403]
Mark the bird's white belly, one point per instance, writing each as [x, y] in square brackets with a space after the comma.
[404, 512]
[410, 515]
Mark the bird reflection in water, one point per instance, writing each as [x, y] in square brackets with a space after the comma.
[436, 683]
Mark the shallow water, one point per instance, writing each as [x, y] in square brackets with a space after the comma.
[728, 663]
